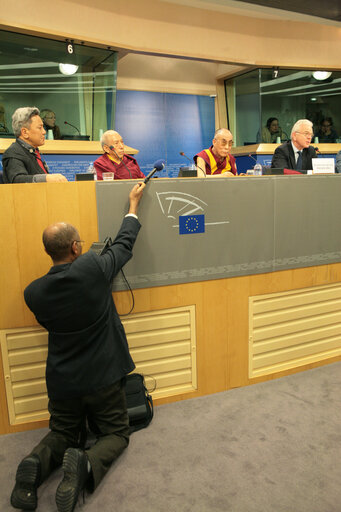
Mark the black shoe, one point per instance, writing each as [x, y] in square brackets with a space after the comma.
[24, 494]
[75, 467]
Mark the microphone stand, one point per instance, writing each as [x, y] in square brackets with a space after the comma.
[198, 166]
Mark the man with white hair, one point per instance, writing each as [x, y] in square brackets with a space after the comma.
[22, 162]
[114, 160]
[296, 153]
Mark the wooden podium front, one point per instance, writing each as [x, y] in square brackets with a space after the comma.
[203, 336]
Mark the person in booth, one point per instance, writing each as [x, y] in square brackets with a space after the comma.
[217, 160]
[114, 160]
[297, 153]
[87, 361]
[271, 131]
[49, 120]
[22, 162]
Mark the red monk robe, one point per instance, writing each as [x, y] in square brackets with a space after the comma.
[214, 164]
[105, 164]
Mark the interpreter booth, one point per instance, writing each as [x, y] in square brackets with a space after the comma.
[235, 281]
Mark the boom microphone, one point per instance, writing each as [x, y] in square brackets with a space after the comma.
[73, 126]
[157, 166]
[198, 166]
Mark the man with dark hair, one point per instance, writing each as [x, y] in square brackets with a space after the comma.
[22, 162]
[88, 358]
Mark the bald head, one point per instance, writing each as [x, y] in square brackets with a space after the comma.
[108, 136]
[58, 240]
[113, 145]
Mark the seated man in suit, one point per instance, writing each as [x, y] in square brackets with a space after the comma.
[296, 153]
[114, 160]
[217, 160]
[22, 162]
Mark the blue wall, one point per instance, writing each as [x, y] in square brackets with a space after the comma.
[160, 125]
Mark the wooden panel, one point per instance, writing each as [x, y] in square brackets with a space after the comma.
[159, 355]
[289, 333]
[222, 318]
[69, 147]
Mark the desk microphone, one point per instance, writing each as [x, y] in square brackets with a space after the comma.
[157, 166]
[73, 126]
[202, 170]
[253, 158]
[317, 150]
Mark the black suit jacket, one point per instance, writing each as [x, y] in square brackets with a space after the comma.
[87, 348]
[20, 165]
[284, 157]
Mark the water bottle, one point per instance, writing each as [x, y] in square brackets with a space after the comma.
[91, 169]
[257, 170]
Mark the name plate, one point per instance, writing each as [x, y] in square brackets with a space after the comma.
[323, 165]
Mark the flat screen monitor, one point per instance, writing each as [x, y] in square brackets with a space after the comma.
[187, 172]
[84, 176]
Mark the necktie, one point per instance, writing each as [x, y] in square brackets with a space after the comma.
[39, 160]
[299, 161]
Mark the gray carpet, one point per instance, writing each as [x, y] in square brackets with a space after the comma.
[271, 447]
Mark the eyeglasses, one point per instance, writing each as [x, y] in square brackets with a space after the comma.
[224, 142]
[306, 134]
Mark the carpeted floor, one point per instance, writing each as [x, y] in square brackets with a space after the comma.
[271, 447]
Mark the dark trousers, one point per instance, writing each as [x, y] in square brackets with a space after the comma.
[107, 416]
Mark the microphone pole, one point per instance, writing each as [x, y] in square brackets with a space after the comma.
[198, 166]
[73, 126]
[121, 160]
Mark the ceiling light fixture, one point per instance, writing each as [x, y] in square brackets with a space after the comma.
[68, 69]
[322, 75]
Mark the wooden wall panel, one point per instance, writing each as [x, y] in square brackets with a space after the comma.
[221, 305]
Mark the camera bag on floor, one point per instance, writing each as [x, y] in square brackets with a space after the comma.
[139, 402]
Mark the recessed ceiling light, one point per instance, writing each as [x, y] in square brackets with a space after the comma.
[313, 99]
[30, 49]
[322, 75]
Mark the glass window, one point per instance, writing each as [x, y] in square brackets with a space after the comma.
[264, 108]
[81, 105]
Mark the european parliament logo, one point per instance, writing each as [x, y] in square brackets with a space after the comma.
[191, 224]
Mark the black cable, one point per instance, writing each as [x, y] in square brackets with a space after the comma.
[132, 295]
[121, 160]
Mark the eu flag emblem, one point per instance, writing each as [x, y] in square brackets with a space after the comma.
[190, 224]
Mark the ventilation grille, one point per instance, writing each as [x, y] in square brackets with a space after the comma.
[162, 344]
[292, 329]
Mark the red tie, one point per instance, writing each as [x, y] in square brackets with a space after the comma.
[39, 160]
